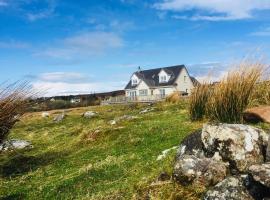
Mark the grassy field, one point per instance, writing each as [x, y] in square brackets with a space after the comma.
[83, 158]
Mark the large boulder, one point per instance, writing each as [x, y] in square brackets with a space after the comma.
[257, 114]
[193, 170]
[240, 145]
[59, 118]
[231, 188]
[191, 145]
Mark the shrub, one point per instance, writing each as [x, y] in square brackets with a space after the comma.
[13, 103]
[175, 97]
[198, 100]
[232, 95]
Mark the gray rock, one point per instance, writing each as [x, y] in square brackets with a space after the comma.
[268, 151]
[59, 117]
[261, 173]
[122, 118]
[240, 145]
[192, 170]
[191, 145]
[231, 188]
[90, 114]
[146, 110]
[15, 144]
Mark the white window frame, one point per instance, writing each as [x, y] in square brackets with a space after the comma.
[143, 92]
[163, 79]
[134, 81]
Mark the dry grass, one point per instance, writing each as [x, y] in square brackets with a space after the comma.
[227, 100]
[232, 95]
[13, 102]
[261, 94]
[198, 100]
[175, 97]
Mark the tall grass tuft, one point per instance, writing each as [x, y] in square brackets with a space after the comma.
[13, 102]
[233, 94]
[198, 101]
[261, 94]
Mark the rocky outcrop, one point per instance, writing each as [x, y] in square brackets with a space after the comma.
[122, 118]
[257, 114]
[230, 188]
[192, 170]
[229, 157]
[240, 145]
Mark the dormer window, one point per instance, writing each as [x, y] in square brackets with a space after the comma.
[134, 81]
[163, 79]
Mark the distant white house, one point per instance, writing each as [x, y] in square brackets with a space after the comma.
[159, 83]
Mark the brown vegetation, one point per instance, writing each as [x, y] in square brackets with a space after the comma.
[227, 100]
[13, 102]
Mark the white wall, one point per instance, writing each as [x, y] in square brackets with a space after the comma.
[182, 85]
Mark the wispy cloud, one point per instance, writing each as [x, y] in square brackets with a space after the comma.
[3, 3]
[85, 44]
[66, 83]
[220, 10]
[43, 13]
[13, 44]
[262, 32]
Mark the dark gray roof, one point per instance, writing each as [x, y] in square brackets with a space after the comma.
[150, 77]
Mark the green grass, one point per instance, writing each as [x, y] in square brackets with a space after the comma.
[68, 161]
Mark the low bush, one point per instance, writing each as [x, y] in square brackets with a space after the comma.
[261, 94]
[175, 97]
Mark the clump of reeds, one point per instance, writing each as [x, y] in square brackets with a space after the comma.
[198, 101]
[232, 95]
[13, 102]
[261, 94]
[228, 99]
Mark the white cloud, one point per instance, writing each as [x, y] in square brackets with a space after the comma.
[67, 83]
[90, 43]
[217, 10]
[13, 44]
[262, 32]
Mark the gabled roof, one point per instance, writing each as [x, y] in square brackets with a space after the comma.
[150, 77]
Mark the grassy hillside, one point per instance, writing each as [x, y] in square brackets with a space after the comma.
[83, 158]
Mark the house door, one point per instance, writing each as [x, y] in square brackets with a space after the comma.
[133, 95]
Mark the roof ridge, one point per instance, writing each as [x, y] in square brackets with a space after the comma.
[182, 65]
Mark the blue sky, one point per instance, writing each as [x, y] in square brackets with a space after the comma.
[70, 47]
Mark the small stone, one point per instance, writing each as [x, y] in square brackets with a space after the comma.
[90, 114]
[15, 144]
[45, 114]
[59, 118]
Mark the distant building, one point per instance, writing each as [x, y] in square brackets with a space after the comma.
[160, 82]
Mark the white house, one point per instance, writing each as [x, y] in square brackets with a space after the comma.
[159, 83]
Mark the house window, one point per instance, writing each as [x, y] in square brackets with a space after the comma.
[143, 92]
[185, 79]
[162, 79]
[134, 81]
[152, 92]
[162, 92]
